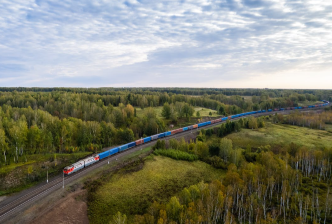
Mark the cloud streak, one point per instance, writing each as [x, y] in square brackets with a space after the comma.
[222, 43]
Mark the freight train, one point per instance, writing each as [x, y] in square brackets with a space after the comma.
[93, 159]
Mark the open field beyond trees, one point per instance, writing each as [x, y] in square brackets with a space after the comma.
[280, 135]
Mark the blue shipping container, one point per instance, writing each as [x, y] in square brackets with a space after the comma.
[161, 135]
[103, 155]
[224, 118]
[168, 133]
[123, 147]
[113, 151]
[147, 139]
[201, 124]
[131, 144]
[185, 129]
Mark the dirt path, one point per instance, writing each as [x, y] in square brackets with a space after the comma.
[70, 209]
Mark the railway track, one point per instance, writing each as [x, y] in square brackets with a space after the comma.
[12, 205]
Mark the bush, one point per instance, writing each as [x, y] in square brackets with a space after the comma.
[217, 162]
[176, 154]
[161, 144]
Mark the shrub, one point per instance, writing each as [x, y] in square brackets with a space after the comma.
[176, 154]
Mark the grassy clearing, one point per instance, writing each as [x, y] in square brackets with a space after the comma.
[328, 127]
[278, 135]
[204, 112]
[132, 192]
[140, 112]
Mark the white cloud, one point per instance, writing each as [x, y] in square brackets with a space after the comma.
[47, 42]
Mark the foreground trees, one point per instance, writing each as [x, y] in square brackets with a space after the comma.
[270, 190]
[289, 185]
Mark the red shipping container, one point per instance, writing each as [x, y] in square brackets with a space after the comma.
[140, 141]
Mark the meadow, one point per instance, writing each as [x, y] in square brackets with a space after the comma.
[280, 135]
[204, 112]
[133, 192]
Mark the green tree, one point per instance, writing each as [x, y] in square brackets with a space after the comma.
[30, 170]
[160, 144]
[188, 110]
[226, 146]
[221, 110]
[118, 218]
[34, 138]
[174, 208]
[166, 111]
[252, 123]
[201, 137]
[3, 144]
[18, 134]
[202, 150]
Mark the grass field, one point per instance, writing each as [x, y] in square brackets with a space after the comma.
[328, 127]
[204, 112]
[140, 112]
[282, 135]
[132, 192]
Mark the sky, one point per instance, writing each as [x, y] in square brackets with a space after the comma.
[166, 43]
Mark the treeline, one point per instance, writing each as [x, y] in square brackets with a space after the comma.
[95, 107]
[93, 104]
[273, 93]
[265, 101]
[308, 119]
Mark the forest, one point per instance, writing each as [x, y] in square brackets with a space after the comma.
[267, 183]
[291, 184]
[67, 120]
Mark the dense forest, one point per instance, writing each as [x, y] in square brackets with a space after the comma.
[55, 120]
[265, 184]
[289, 185]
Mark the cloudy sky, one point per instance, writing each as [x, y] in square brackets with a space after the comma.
[191, 43]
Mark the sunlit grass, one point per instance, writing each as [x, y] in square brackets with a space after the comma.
[282, 135]
[133, 192]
